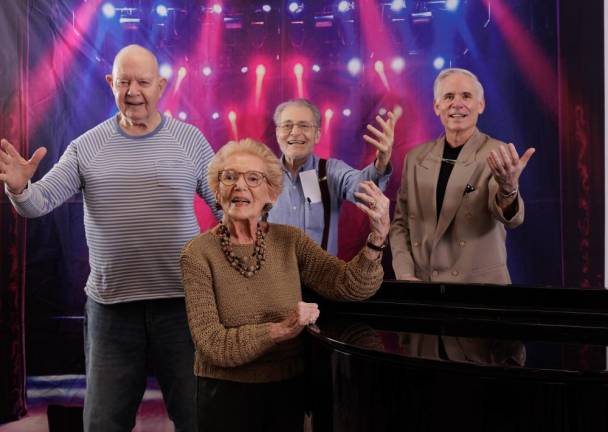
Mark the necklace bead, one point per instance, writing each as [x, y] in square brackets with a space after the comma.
[244, 265]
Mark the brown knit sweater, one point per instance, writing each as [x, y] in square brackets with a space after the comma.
[230, 315]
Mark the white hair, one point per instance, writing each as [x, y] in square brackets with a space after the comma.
[450, 71]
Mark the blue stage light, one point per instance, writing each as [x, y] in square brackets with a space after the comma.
[108, 10]
[165, 70]
[162, 10]
[439, 63]
[344, 6]
[295, 7]
[452, 5]
[397, 5]
[354, 66]
[266, 8]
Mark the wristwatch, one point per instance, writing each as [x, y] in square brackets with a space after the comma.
[373, 246]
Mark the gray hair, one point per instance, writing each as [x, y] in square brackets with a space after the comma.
[298, 102]
[450, 71]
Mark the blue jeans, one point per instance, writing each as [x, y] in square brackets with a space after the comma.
[124, 341]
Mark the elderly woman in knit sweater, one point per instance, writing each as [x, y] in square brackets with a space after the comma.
[242, 281]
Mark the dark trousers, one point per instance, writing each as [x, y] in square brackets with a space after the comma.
[121, 342]
[229, 406]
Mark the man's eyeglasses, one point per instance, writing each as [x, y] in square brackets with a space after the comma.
[304, 127]
[231, 177]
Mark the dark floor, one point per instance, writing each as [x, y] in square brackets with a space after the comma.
[65, 394]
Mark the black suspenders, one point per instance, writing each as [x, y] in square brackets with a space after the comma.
[326, 201]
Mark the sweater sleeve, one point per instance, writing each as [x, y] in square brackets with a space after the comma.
[59, 184]
[333, 278]
[219, 345]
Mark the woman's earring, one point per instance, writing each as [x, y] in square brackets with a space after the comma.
[267, 207]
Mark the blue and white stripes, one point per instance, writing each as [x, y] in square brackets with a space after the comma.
[138, 204]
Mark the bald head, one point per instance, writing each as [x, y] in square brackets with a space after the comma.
[137, 88]
[138, 54]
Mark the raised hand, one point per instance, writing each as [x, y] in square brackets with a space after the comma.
[375, 205]
[302, 315]
[383, 139]
[16, 171]
[506, 167]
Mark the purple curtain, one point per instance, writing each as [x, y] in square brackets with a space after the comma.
[12, 227]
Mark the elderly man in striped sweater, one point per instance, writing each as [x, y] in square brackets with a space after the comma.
[138, 172]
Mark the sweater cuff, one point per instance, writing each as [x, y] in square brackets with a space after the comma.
[369, 265]
[23, 196]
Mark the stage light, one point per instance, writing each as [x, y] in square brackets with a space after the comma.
[398, 64]
[295, 7]
[215, 115]
[439, 63]
[379, 66]
[108, 10]
[328, 114]
[130, 18]
[162, 10]
[165, 70]
[266, 8]
[346, 112]
[232, 116]
[382, 111]
[216, 8]
[344, 6]
[182, 116]
[398, 110]
[452, 5]
[168, 113]
[397, 5]
[354, 66]
[244, 69]
[316, 68]
[206, 71]
[298, 69]
[181, 73]
[260, 70]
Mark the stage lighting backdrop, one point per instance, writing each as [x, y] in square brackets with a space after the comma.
[229, 63]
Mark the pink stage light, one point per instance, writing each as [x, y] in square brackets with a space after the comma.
[298, 71]
[260, 72]
[379, 68]
[54, 66]
[233, 127]
[529, 56]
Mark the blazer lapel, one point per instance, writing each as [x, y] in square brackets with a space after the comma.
[427, 172]
[454, 191]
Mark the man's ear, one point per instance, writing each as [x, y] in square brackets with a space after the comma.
[436, 108]
[482, 106]
[110, 81]
[317, 135]
[162, 83]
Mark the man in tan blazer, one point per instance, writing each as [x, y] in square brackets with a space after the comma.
[457, 194]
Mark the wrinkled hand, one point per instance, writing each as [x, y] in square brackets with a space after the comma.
[302, 315]
[506, 166]
[16, 171]
[375, 205]
[383, 139]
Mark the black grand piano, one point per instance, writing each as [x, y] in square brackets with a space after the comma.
[440, 357]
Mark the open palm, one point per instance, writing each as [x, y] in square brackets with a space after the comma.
[15, 170]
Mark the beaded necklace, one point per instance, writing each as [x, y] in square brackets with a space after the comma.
[239, 264]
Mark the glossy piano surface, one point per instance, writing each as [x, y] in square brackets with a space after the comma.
[477, 358]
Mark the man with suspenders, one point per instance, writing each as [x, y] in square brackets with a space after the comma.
[314, 188]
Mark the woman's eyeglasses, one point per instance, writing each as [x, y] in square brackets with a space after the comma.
[230, 177]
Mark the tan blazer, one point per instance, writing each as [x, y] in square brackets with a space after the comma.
[467, 242]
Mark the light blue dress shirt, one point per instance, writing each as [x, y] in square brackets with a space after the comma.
[292, 208]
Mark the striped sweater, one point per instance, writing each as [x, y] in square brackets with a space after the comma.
[138, 204]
